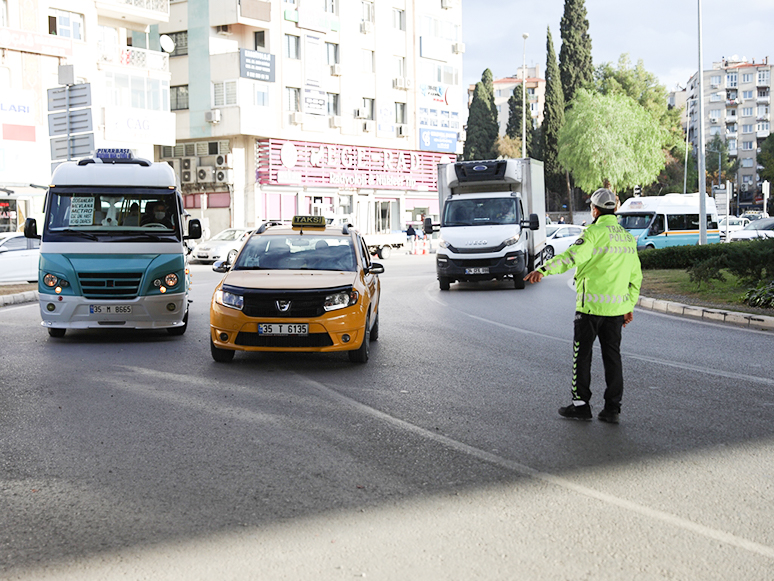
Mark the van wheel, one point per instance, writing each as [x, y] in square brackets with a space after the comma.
[444, 282]
[384, 252]
[650, 247]
[177, 331]
[221, 355]
[548, 253]
[360, 355]
[58, 333]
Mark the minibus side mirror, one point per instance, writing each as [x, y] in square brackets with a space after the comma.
[31, 228]
[194, 230]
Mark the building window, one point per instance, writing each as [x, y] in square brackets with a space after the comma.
[716, 97]
[747, 128]
[292, 46]
[65, 24]
[368, 105]
[332, 51]
[731, 79]
[262, 95]
[367, 59]
[763, 93]
[714, 114]
[715, 130]
[763, 77]
[400, 113]
[732, 144]
[178, 98]
[292, 99]
[367, 14]
[747, 179]
[746, 94]
[747, 145]
[398, 19]
[181, 43]
[259, 39]
[224, 93]
[747, 111]
[746, 162]
[400, 66]
[747, 78]
[329, 6]
[715, 80]
[763, 126]
[333, 103]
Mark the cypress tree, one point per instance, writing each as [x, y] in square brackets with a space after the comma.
[482, 128]
[515, 109]
[553, 119]
[575, 64]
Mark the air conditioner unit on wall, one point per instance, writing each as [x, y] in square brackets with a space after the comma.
[224, 176]
[458, 48]
[336, 70]
[366, 27]
[361, 113]
[369, 126]
[224, 29]
[223, 160]
[403, 130]
[335, 121]
[298, 118]
[399, 83]
[212, 116]
[188, 176]
[189, 162]
[205, 174]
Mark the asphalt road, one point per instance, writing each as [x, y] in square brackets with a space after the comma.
[135, 456]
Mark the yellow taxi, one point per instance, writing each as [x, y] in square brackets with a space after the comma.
[300, 287]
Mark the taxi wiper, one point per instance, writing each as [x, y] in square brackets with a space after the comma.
[71, 232]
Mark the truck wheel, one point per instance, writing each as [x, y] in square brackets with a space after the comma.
[221, 355]
[177, 331]
[58, 333]
[444, 282]
[384, 252]
[518, 280]
[360, 355]
[548, 253]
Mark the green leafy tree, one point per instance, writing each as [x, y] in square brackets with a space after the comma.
[575, 64]
[482, 129]
[515, 110]
[610, 140]
[766, 159]
[508, 147]
[718, 149]
[553, 119]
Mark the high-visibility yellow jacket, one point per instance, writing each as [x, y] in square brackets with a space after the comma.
[608, 273]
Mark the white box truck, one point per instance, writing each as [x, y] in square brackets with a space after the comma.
[492, 220]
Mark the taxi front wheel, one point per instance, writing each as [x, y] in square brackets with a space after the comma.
[360, 355]
[221, 355]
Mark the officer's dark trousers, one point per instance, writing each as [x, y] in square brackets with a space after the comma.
[587, 329]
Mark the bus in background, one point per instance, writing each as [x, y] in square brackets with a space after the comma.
[112, 250]
[669, 220]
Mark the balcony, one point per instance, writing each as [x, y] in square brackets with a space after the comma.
[732, 152]
[731, 134]
[763, 82]
[129, 56]
[763, 117]
[143, 12]
[762, 134]
[766, 99]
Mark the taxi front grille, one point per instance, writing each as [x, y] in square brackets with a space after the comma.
[110, 285]
[310, 340]
[299, 307]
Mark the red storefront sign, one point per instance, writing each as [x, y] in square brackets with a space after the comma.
[282, 162]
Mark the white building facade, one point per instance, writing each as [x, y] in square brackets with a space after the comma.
[737, 107]
[340, 108]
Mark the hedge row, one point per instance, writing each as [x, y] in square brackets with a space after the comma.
[752, 262]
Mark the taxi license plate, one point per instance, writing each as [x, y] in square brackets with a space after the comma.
[110, 309]
[477, 270]
[283, 329]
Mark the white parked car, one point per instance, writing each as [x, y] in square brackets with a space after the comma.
[559, 237]
[224, 245]
[763, 228]
[734, 224]
[17, 262]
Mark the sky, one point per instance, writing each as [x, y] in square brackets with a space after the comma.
[663, 33]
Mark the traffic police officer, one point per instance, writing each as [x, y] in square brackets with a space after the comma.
[607, 282]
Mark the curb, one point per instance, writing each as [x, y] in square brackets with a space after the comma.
[18, 298]
[750, 321]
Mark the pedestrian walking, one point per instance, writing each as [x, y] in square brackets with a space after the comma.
[411, 235]
[607, 282]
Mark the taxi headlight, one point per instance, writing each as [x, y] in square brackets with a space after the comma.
[170, 279]
[230, 300]
[511, 241]
[341, 300]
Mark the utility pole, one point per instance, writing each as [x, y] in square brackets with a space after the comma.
[702, 167]
[525, 36]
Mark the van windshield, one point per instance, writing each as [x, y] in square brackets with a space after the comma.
[107, 212]
[639, 221]
[480, 212]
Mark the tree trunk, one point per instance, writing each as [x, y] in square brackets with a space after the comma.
[569, 197]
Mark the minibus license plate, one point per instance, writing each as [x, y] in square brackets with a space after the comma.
[477, 270]
[283, 329]
[110, 309]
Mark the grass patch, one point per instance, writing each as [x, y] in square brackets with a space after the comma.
[676, 285]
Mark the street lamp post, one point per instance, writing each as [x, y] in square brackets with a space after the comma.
[525, 36]
[702, 168]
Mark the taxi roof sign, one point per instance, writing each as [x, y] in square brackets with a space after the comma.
[114, 153]
[309, 222]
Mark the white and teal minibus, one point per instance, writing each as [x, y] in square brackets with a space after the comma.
[669, 220]
[112, 246]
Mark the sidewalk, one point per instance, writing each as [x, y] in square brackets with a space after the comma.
[18, 298]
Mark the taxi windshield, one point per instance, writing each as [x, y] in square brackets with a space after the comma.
[297, 252]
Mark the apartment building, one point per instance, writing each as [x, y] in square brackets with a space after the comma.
[503, 90]
[737, 107]
[340, 108]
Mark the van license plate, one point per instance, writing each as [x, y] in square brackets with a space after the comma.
[110, 309]
[477, 270]
[283, 329]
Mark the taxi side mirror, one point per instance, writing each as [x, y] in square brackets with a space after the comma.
[221, 266]
[376, 268]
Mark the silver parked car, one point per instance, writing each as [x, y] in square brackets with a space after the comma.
[18, 263]
[559, 237]
[763, 228]
[224, 245]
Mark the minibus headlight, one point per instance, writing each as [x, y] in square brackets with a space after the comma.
[231, 300]
[50, 280]
[170, 279]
